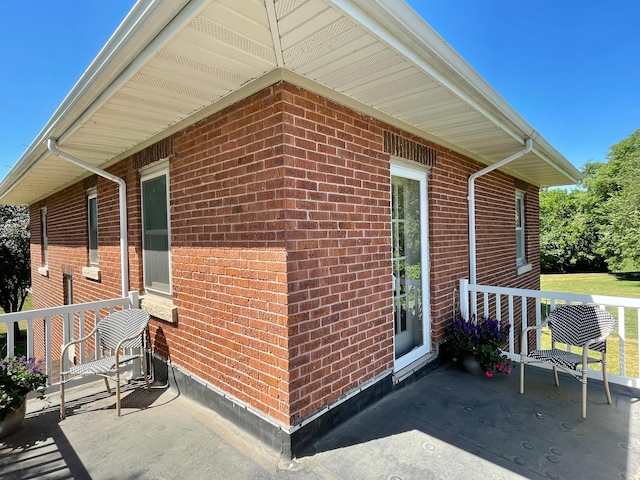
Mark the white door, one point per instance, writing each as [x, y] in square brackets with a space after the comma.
[410, 264]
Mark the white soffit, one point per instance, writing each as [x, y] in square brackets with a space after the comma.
[375, 55]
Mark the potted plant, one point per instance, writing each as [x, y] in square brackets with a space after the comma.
[18, 377]
[479, 343]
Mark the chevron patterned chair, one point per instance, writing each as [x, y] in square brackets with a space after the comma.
[582, 326]
[122, 335]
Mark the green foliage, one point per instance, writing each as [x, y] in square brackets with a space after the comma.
[596, 226]
[15, 268]
[618, 183]
[484, 339]
[19, 376]
[568, 237]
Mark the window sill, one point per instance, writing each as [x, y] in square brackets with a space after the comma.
[160, 308]
[44, 271]
[92, 273]
[527, 267]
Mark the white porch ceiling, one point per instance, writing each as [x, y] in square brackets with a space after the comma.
[168, 66]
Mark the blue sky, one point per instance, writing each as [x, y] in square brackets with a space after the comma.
[46, 47]
[570, 68]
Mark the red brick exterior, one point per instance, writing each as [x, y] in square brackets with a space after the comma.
[280, 244]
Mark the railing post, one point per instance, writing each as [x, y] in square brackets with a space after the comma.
[47, 348]
[134, 300]
[136, 372]
[30, 352]
[464, 298]
[11, 346]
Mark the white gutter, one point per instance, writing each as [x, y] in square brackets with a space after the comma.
[52, 145]
[472, 205]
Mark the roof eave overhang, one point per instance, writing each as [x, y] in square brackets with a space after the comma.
[152, 23]
[407, 32]
[141, 26]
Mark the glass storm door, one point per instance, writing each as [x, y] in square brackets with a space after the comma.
[410, 264]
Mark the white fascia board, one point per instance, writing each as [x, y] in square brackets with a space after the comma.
[549, 154]
[142, 24]
[571, 173]
[395, 24]
[399, 26]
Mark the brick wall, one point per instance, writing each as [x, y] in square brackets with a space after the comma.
[495, 224]
[280, 244]
[448, 233]
[338, 239]
[67, 234]
[229, 212]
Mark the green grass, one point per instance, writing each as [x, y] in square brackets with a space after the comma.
[20, 343]
[611, 284]
[615, 284]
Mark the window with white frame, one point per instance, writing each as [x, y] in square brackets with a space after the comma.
[520, 238]
[156, 250]
[92, 214]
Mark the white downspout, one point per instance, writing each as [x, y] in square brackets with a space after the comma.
[52, 145]
[472, 205]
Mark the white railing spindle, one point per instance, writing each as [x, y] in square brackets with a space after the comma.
[80, 335]
[622, 336]
[10, 340]
[486, 304]
[554, 300]
[64, 317]
[512, 321]
[47, 345]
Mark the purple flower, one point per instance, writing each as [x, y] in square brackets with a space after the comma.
[484, 338]
[19, 376]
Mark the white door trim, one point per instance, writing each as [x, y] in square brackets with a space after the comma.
[418, 173]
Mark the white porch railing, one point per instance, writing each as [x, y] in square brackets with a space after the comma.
[522, 307]
[67, 317]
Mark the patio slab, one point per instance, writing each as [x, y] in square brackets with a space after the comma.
[446, 425]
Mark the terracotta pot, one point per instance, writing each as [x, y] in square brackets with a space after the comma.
[13, 420]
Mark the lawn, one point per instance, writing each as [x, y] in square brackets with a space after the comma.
[20, 343]
[613, 284]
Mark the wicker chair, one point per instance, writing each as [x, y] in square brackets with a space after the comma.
[583, 326]
[119, 333]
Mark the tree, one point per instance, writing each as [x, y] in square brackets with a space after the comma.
[614, 190]
[569, 240]
[15, 268]
[598, 223]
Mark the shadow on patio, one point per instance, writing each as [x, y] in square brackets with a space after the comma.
[447, 425]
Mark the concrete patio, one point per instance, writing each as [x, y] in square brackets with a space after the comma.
[446, 425]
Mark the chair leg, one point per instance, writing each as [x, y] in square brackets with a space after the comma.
[118, 391]
[605, 381]
[555, 376]
[521, 374]
[584, 393]
[144, 369]
[106, 382]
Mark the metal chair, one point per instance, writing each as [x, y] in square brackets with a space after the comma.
[119, 333]
[583, 326]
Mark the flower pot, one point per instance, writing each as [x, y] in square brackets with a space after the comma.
[13, 420]
[470, 364]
